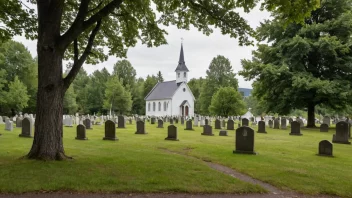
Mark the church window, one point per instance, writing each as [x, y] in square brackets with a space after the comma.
[184, 74]
[164, 106]
[184, 89]
[153, 106]
[178, 74]
[159, 106]
[148, 106]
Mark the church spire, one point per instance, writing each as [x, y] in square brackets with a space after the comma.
[181, 62]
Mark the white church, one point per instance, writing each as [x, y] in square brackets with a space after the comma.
[172, 98]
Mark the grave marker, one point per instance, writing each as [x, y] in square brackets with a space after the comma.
[110, 131]
[245, 140]
[81, 132]
[171, 133]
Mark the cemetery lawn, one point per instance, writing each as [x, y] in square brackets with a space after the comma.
[146, 163]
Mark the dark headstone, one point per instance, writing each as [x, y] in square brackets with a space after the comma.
[182, 120]
[121, 122]
[223, 123]
[341, 136]
[261, 127]
[27, 128]
[18, 122]
[140, 128]
[87, 123]
[245, 122]
[130, 121]
[217, 124]
[189, 125]
[270, 124]
[206, 122]
[244, 140]
[160, 123]
[276, 123]
[325, 148]
[171, 121]
[110, 131]
[152, 121]
[207, 130]
[283, 123]
[171, 133]
[176, 120]
[81, 132]
[295, 128]
[324, 128]
[230, 125]
[239, 125]
[223, 133]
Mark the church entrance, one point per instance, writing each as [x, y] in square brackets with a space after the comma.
[186, 109]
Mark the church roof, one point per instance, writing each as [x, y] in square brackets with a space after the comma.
[162, 90]
[181, 62]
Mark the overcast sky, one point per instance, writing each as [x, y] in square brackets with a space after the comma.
[199, 50]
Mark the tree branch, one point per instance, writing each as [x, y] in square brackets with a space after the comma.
[96, 7]
[79, 62]
[75, 51]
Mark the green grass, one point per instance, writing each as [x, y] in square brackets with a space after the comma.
[138, 163]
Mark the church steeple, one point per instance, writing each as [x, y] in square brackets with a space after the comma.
[181, 69]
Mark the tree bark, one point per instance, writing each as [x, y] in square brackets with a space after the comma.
[47, 143]
[311, 116]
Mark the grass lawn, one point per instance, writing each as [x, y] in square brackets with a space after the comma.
[139, 163]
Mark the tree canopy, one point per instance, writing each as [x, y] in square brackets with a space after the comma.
[227, 102]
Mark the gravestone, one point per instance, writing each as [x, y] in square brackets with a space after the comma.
[295, 128]
[81, 132]
[207, 130]
[201, 123]
[160, 123]
[176, 120]
[230, 125]
[110, 131]
[8, 125]
[326, 120]
[18, 122]
[130, 121]
[206, 122]
[68, 122]
[270, 124]
[182, 121]
[341, 136]
[1, 120]
[261, 127]
[171, 121]
[324, 128]
[217, 124]
[171, 133]
[245, 140]
[189, 125]
[195, 122]
[152, 121]
[276, 123]
[300, 121]
[27, 128]
[245, 122]
[121, 122]
[325, 148]
[283, 123]
[290, 120]
[223, 123]
[140, 128]
[223, 133]
[88, 123]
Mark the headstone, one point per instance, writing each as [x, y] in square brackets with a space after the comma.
[18, 122]
[195, 122]
[189, 125]
[300, 121]
[152, 121]
[223, 133]
[324, 128]
[283, 123]
[325, 148]
[176, 120]
[261, 127]
[121, 122]
[160, 123]
[207, 130]
[182, 120]
[206, 122]
[341, 136]
[223, 123]
[270, 124]
[245, 140]
[171, 121]
[110, 131]
[217, 124]
[140, 128]
[290, 120]
[276, 123]
[8, 125]
[202, 123]
[68, 122]
[295, 128]
[245, 122]
[81, 132]
[88, 123]
[27, 128]
[1, 120]
[326, 120]
[130, 121]
[230, 125]
[171, 133]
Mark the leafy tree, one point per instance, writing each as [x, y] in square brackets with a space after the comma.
[75, 29]
[305, 64]
[138, 106]
[255, 106]
[81, 90]
[195, 85]
[227, 102]
[219, 74]
[159, 76]
[116, 97]
[149, 84]
[125, 72]
[17, 97]
[3, 82]
[70, 105]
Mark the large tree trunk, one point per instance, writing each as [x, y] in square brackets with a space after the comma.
[47, 143]
[311, 115]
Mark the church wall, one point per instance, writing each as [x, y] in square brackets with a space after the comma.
[179, 97]
[162, 112]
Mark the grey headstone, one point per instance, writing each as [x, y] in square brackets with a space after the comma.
[341, 136]
[276, 123]
[283, 123]
[324, 128]
[245, 122]
[230, 125]
[207, 130]
[81, 132]
[245, 140]
[110, 130]
[121, 122]
[223, 133]
[217, 124]
[206, 122]
[295, 128]
[326, 120]
[171, 133]
[223, 123]
[325, 148]
[18, 122]
[8, 125]
[182, 120]
[195, 122]
[27, 128]
[88, 123]
[189, 125]
[270, 124]
[160, 123]
[171, 121]
[152, 121]
[261, 127]
[140, 128]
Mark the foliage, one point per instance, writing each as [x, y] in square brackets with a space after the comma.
[255, 105]
[219, 74]
[159, 76]
[305, 64]
[117, 98]
[149, 84]
[195, 85]
[17, 97]
[124, 70]
[227, 102]
[70, 105]
[138, 106]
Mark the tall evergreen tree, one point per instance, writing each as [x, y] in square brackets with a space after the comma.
[159, 76]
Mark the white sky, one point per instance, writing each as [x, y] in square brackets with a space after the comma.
[199, 50]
